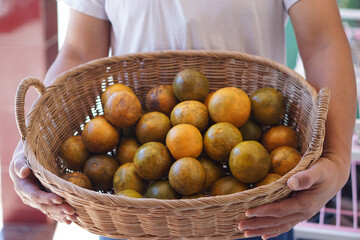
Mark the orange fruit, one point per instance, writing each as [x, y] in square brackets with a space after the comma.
[231, 105]
[284, 159]
[184, 140]
[207, 99]
[122, 109]
[99, 136]
[213, 171]
[227, 185]
[220, 139]
[161, 99]
[197, 195]
[161, 190]
[190, 84]
[152, 127]
[278, 136]
[269, 178]
[191, 112]
[251, 131]
[249, 162]
[267, 106]
[74, 153]
[79, 179]
[126, 150]
[126, 177]
[187, 176]
[101, 169]
[116, 87]
[152, 161]
[129, 193]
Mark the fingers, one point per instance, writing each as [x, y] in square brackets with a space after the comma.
[61, 213]
[20, 167]
[306, 179]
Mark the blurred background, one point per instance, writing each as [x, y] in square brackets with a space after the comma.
[31, 34]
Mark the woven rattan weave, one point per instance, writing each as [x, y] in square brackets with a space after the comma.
[74, 98]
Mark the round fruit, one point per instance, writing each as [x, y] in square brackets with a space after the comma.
[152, 161]
[126, 177]
[220, 139]
[284, 159]
[99, 136]
[126, 150]
[207, 99]
[122, 109]
[79, 179]
[249, 162]
[161, 190]
[152, 127]
[269, 178]
[213, 171]
[184, 140]
[74, 153]
[129, 193]
[114, 88]
[231, 105]
[100, 169]
[187, 176]
[279, 136]
[197, 195]
[267, 106]
[251, 131]
[161, 99]
[227, 185]
[190, 84]
[191, 112]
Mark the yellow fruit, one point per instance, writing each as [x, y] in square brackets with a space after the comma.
[231, 105]
[161, 190]
[284, 159]
[267, 106]
[187, 176]
[184, 140]
[161, 99]
[213, 171]
[190, 84]
[249, 162]
[126, 177]
[269, 178]
[126, 150]
[279, 136]
[116, 87]
[152, 161]
[79, 179]
[220, 139]
[122, 109]
[99, 136]
[227, 185]
[191, 112]
[100, 169]
[152, 127]
[129, 193]
[74, 153]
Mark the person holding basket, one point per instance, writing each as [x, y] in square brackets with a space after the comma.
[250, 26]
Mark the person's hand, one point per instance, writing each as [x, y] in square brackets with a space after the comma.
[314, 188]
[31, 191]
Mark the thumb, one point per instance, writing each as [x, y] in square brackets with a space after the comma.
[304, 179]
[20, 166]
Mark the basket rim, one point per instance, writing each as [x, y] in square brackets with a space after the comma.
[203, 202]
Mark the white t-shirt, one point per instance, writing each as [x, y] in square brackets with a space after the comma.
[251, 26]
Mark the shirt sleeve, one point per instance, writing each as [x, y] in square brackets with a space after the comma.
[94, 8]
[289, 3]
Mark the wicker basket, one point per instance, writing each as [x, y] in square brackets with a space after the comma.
[74, 98]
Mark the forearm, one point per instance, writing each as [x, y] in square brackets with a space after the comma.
[332, 67]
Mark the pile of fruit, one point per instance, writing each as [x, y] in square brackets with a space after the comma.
[187, 143]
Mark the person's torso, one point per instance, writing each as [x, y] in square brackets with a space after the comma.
[252, 26]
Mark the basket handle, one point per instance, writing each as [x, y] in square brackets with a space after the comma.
[24, 85]
[322, 103]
